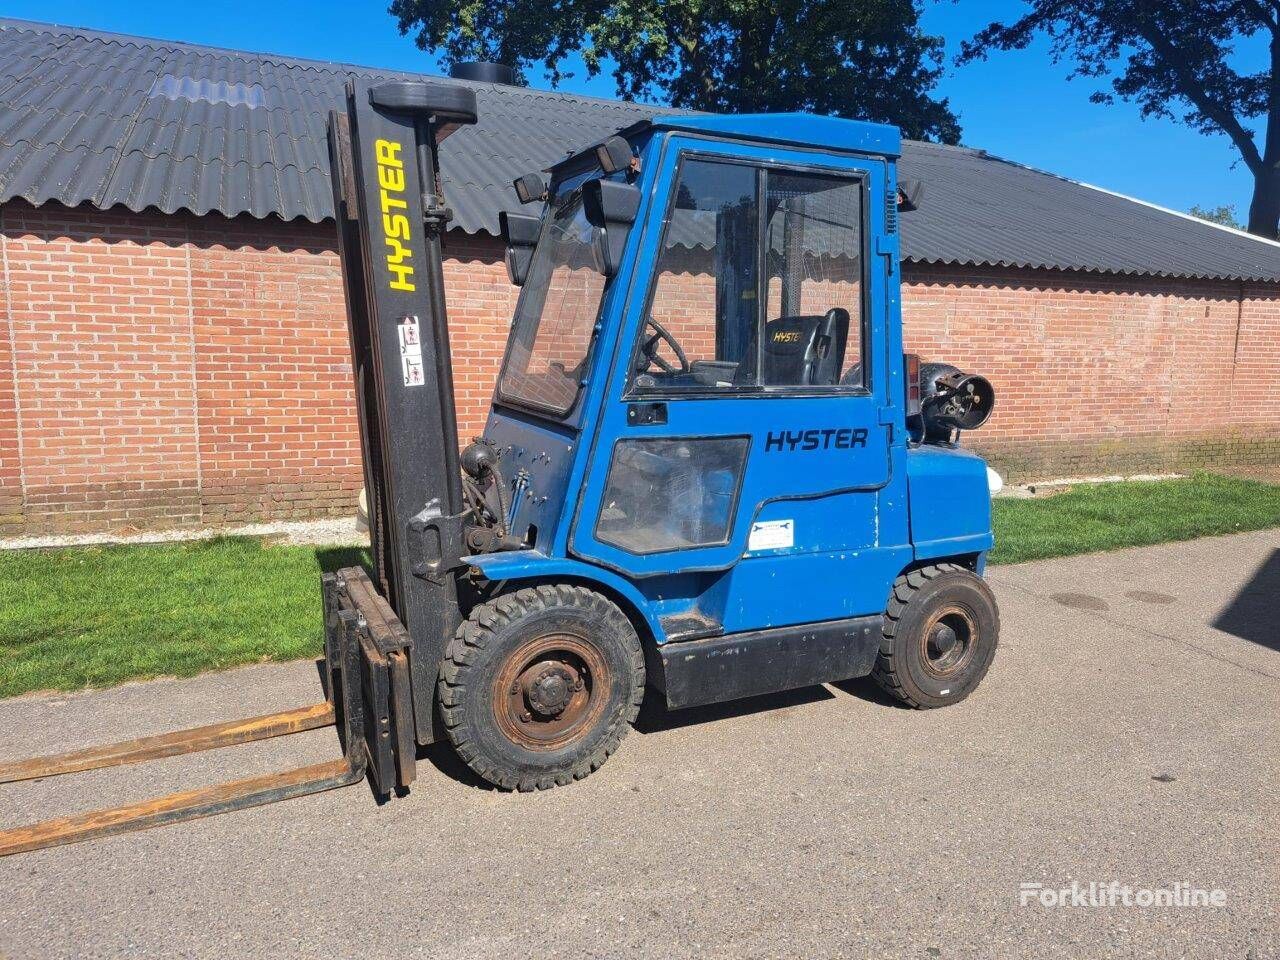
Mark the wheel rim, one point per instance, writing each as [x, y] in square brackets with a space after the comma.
[948, 641]
[550, 691]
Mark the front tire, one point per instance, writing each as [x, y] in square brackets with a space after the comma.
[940, 634]
[539, 686]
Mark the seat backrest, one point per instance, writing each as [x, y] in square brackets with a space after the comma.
[805, 350]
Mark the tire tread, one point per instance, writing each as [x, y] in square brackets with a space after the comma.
[905, 589]
[473, 638]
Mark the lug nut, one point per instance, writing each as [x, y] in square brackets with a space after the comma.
[526, 717]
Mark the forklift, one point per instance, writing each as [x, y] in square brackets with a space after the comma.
[709, 469]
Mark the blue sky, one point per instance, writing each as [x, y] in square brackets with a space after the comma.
[1017, 105]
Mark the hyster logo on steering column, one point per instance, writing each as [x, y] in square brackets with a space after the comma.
[831, 438]
[395, 226]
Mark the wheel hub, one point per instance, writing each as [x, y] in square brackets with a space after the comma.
[549, 686]
[550, 689]
[948, 642]
[943, 640]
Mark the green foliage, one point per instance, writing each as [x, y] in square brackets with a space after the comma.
[1224, 215]
[1174, 59]
[1108, 516]
[859, 58]
[95, 616]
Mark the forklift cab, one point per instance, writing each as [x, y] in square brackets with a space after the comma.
[705, 405]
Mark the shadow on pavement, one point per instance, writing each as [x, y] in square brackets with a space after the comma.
[655, 717]
[867, 689]
[442, 756]
[1254, 613]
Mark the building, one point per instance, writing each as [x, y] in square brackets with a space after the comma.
[173, 348]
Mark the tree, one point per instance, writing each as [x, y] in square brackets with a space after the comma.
[1224, 215]
[858, 58]
[1171, 58]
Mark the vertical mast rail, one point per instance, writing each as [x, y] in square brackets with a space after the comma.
[394, 274]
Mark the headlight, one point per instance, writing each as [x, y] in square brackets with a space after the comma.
[995, 483]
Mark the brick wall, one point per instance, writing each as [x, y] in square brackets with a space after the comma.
[100, 336]
[1101, 374]
[170, 370]
[173, 370]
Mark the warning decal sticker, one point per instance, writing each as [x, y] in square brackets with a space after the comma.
[411, 352]
[772, 535]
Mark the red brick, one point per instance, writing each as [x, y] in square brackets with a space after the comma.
[161, 370]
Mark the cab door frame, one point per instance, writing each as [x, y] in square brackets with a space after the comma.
[760, 415]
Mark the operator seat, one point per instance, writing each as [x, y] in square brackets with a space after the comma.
[804, 350]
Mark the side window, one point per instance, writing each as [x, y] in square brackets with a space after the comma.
[715, 323]
[700, 329]
[672, 494]
[813, 314]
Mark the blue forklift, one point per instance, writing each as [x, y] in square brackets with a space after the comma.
[709, 469]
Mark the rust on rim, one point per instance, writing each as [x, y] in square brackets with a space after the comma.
[948, 641]
[551, 690]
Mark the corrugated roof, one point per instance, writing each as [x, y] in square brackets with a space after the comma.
[108, 119]
[981, 209]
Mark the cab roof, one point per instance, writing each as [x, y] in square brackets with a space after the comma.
[788, 129]
[793, 129]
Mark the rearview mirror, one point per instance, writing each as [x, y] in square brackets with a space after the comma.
[532, 187]
[614, 154]
[611, 206]
[520, 234]
[910, 193]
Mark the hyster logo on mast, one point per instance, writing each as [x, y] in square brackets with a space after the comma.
[395, 226]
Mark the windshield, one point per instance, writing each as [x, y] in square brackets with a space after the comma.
[551, 333]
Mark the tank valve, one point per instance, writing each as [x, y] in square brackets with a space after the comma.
[953, 400]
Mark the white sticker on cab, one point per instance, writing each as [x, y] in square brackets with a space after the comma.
[772, 535]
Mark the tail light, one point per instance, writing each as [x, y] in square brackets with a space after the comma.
[912, 365]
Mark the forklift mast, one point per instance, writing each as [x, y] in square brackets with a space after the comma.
[391, 214]
[383, 640]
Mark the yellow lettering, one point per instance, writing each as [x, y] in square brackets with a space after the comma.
[390, 203]
[391, 178]
[388, 153]
[398, 253]
[401, 272]
[395, 226]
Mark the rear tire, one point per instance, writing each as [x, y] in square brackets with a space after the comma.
[940, 634]
[539, 686]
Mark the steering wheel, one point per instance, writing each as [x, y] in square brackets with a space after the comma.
[649, 350]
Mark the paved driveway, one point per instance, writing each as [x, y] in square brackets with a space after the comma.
[1128, 732]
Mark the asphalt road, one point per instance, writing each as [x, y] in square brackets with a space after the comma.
[1127, 732]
